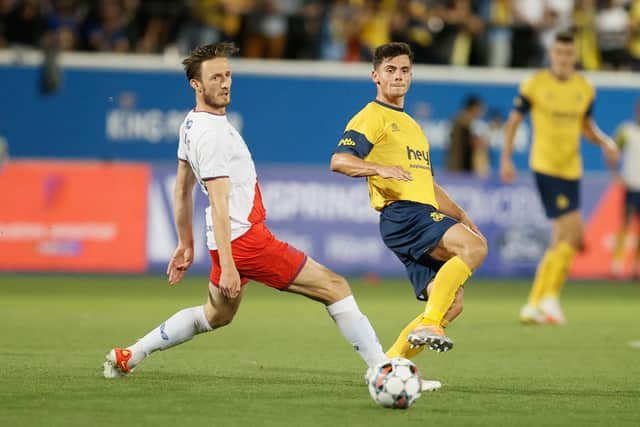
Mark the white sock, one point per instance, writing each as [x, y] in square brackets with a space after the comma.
[357, 330]
[179, 328]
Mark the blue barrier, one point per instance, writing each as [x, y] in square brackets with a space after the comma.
[134, 114]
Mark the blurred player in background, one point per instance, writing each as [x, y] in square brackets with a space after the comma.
[213, 154]
[560, 101]
[628, 138]
[432, 236]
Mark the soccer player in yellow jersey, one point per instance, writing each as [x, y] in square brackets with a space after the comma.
[432, 236]
[560, 102]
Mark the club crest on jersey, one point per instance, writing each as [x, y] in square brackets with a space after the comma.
[188, 124]
[562, 201]
[437, 216]
[395, 127]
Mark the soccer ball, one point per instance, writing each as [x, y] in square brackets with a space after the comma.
[395, 383]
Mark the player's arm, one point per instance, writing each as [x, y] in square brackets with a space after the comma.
[219, 189]
[183, 214]
[507, 168]
[521, 106]
[592, 132]
[350, 165]
[448, 207]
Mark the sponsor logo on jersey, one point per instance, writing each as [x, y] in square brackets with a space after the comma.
[347, 141]
[421, 155]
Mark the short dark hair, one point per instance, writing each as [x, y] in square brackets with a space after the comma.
[565, 37]
[391, 50]
[192, 64]
[472, 101]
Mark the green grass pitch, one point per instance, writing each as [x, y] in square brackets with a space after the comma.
[282, 362]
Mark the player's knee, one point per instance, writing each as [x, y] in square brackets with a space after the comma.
[218, 318]
[475, 253]
[338, 288]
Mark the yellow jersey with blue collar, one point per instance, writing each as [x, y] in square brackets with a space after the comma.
[558, 108]
[386, 135]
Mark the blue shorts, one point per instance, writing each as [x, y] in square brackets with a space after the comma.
[559, 196]
[631, 203]
[412, 230]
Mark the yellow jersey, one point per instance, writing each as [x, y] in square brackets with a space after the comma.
[386, 135]
[558, 108]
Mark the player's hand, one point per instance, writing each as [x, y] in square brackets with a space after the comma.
[507, 170]
[230, 282]
[394, 172]
[611, 154]
[180, 262]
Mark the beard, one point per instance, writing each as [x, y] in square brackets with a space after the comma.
[210, 100]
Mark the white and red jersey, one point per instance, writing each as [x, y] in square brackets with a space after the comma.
[628, 137]
[215, 149]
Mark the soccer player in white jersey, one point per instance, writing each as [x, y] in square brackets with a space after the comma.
[628, 138]
[214, 155]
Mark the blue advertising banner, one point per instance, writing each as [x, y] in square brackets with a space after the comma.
[121, 114]
[329, 217]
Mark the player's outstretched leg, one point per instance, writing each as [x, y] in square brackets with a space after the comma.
[179, 328]
[321, 284]
[317, 282]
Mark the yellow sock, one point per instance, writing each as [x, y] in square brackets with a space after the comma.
[542, 278]
[400, 348]
[562, 257]
[449, 278]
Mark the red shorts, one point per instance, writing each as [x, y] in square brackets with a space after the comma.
[259, 256]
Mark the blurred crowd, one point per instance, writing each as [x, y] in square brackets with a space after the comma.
[503, 33]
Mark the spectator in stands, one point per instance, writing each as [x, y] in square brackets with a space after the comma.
[498, 14]
[210, 21]
[584, 26]
[526, 47]
[267, 28]
[337, 31]
[612, 25]
[106, 33]
[467, 30]
[151, 25]
[6, 6]
[409, 24]
[634, 34]
[303, 39]
[557, 17]
[468, 150]
[25, 24]
[63, 23]
[374, 22]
